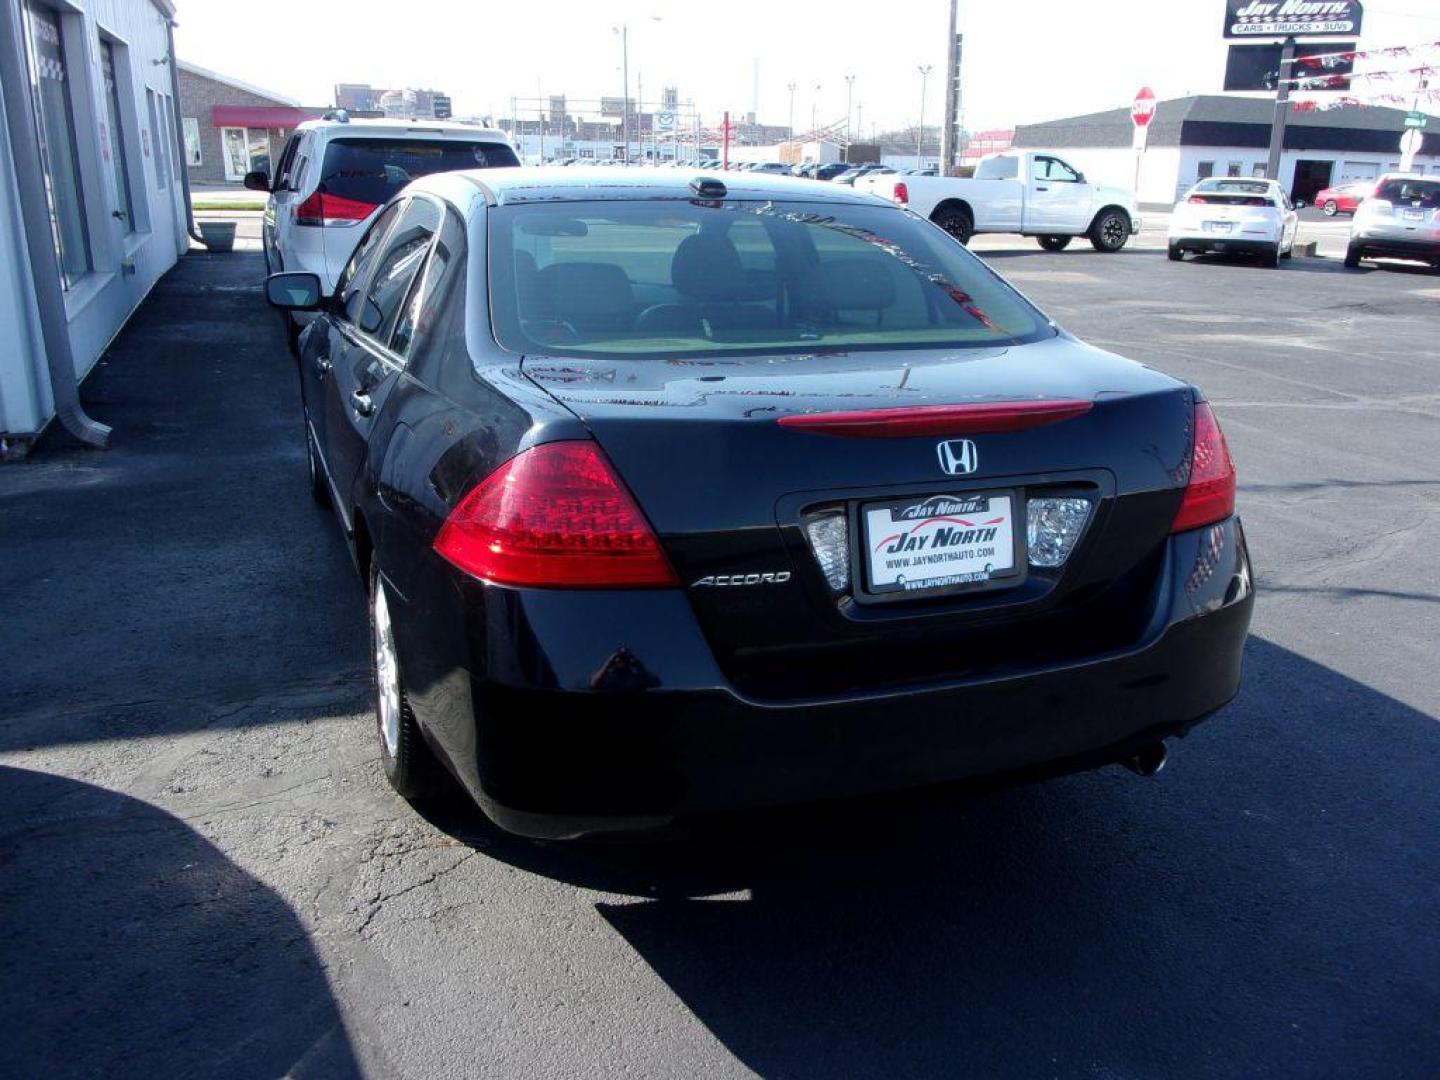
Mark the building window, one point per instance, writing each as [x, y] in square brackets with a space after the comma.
[1258, 170]
[1234, 168]
[193, 156]
[162, 177]
[50, 79]
[246, 150]
[115, 149]
[1206, 170]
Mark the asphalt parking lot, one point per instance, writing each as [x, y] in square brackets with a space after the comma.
[203, 872]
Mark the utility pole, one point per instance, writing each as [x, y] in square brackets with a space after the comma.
[791, 88]
[924, 70]
[950, 134]
[849, 97]
[814, 115]
[1282, 109]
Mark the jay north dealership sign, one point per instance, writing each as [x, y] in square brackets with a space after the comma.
[1292, 18]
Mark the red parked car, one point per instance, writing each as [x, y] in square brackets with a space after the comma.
[1344, 198]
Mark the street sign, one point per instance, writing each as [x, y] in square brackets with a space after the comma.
[1415, 120]
[1292, 18]
[1142, 110]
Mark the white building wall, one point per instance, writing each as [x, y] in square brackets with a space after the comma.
[126, 263]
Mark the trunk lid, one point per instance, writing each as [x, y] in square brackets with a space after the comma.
[728, 490]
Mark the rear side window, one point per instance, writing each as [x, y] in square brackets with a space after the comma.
[1422, 193]
[998, 168]
[373, 170]
[673, 278]
[405, 248]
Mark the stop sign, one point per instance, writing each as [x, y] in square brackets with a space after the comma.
[1142, 110]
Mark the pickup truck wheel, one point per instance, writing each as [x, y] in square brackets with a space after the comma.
[957, 222]
[1109, 231]
[1054, 243]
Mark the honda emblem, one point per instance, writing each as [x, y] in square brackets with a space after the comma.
[958, 457]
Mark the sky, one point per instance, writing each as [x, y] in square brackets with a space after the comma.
[1024, 60]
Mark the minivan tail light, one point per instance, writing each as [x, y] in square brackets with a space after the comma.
[902, 194]
[1210, 492]
[555, 516]
[323, 209]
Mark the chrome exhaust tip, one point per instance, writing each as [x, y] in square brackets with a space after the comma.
[1147, 761]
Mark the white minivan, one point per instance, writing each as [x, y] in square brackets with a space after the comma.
[334, 175]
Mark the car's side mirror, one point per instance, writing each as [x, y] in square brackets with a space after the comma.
[257, 181]
[1299, 204]
[371, 316]
[295, 290]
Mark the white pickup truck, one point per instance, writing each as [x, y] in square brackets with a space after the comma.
[1032, 192]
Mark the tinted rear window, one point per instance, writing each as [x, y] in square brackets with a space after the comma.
[670, 278]
[1232, 187]
[372, 170]
[1423, 193]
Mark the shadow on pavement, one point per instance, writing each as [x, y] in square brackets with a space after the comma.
[130, 946]
[1241, 915]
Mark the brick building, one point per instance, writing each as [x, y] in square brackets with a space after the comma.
[231, 127]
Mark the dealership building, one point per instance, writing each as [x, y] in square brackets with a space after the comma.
[92, 203]
[1223, 135]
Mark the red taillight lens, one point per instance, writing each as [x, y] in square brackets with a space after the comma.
[555, 516]
[323, 209]
[1210, 494]
[1198, 199]
[902, 194]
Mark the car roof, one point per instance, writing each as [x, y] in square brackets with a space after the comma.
[419, 128]
[550, 183]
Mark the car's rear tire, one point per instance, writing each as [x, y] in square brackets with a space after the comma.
[1270, 258]
[1175, 252]
[956, 221]
[1353, 254]
[1054, 243]
[1109, 231]
[408, 763]
[1329, 208]
[319, 490]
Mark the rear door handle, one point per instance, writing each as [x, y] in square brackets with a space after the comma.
[323, 365]
[361, 403]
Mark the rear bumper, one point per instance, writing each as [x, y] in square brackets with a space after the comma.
[1227, 244]
[1398, 247]
[653, 732]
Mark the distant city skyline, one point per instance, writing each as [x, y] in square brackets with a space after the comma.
[1045, 59]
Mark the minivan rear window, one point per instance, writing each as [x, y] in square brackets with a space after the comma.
[372, 170]
[1422, 193]
[675, 278]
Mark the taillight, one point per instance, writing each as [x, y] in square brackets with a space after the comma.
[902, 194]
[323, 209]
[1210, 494]
[909, 421]
[1199, 199]
[555, 516]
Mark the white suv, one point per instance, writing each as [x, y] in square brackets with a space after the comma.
[335, 174]
[1401, 220]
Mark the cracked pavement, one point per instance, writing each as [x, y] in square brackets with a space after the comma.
[202, 871]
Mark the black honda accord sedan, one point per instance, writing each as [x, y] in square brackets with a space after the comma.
[682, 494]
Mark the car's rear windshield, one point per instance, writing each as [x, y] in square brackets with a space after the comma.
[1422, 193]
[1232, 187]
[700, 277]
[998, 168]
[372, 170]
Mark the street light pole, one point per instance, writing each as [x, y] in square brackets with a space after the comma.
[920, 135]
[815, 115]
[624, 31]
[791, 88]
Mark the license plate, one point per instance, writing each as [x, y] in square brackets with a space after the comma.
[1414, 215]
[1219, 226]
[939, 542]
